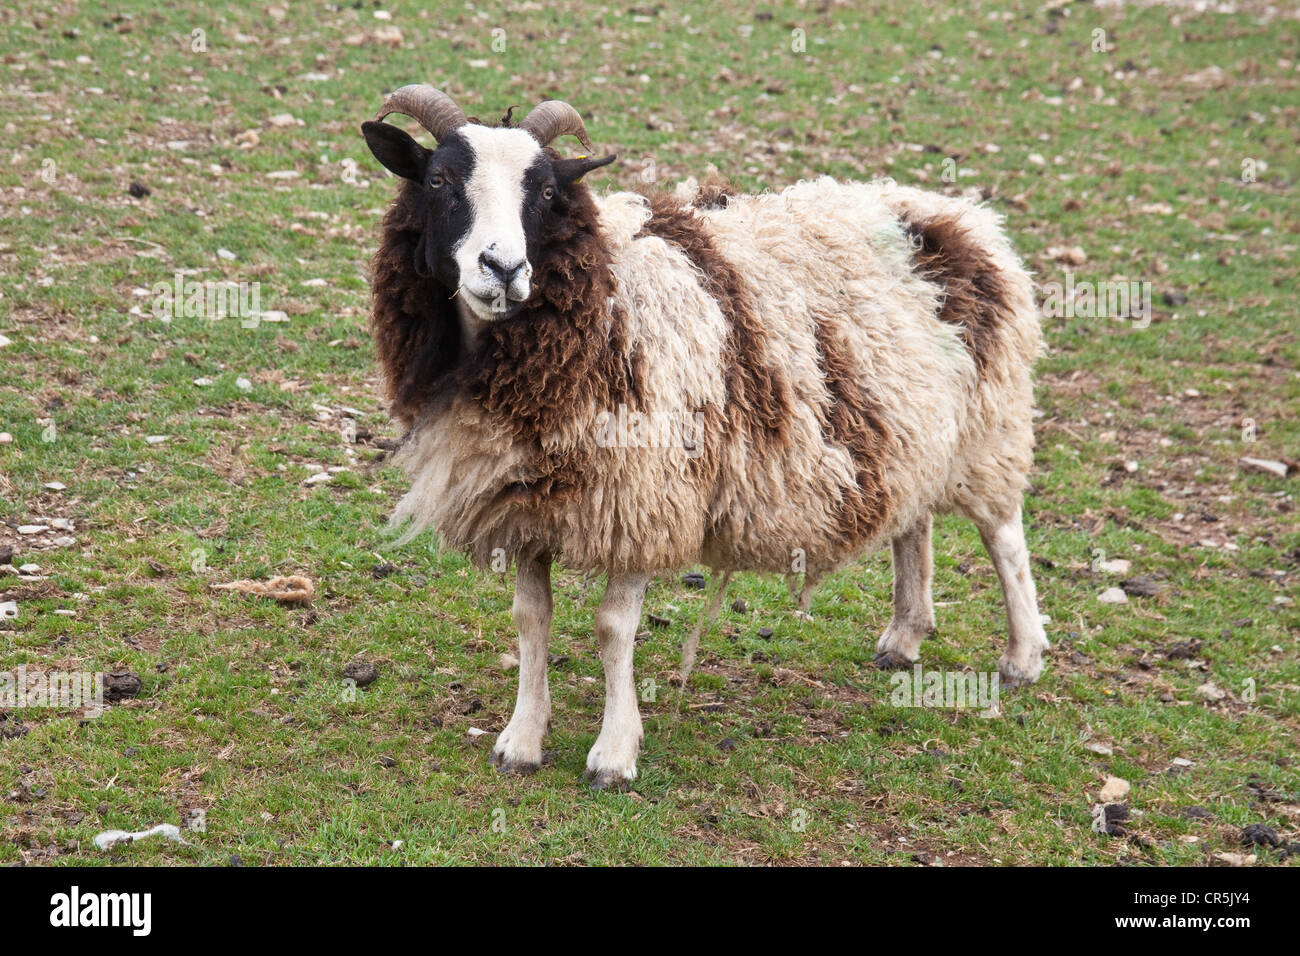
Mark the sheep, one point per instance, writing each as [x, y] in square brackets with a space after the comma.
[835, 362]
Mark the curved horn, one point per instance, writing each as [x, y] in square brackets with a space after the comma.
[433, 109]
[552, 119]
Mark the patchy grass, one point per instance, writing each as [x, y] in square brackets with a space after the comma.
[786, 749]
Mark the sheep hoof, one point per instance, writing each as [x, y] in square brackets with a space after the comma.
[1012, 675]
[608, 780]
[522, 768]
[888, 661]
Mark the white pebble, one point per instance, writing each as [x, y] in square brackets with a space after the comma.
[1113, 596]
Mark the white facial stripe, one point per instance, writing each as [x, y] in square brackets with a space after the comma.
[495, 192]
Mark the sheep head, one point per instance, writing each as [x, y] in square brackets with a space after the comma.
[487, 191]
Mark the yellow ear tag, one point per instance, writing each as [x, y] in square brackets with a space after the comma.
[581, 156]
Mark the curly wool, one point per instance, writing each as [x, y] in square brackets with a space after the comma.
[856, 355]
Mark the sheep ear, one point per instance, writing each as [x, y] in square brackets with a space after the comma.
[396, 150]
[571, 170]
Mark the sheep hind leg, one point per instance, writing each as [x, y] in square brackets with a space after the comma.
[1005, 543]
[913, 619]
[612, 761]
[519, 747]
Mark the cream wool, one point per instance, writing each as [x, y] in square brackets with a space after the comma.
[651, 509]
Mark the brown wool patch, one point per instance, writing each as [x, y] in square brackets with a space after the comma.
[530, 373]
[976, 297]
[715, 192]
[759, 399]
[856, 421]
[413, 319]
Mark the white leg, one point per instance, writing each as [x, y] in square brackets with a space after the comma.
[913, 619]
[519, 747]
[1023, 660]
[612, 760]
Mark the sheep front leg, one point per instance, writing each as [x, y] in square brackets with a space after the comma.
[612, 760]
[913, 619]
[1023, 660]
[519, 747]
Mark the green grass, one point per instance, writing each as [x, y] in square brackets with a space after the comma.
[797, 755]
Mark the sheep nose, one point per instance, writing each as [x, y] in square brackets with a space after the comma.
[504, 271]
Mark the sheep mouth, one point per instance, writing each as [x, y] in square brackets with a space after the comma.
[489, 308]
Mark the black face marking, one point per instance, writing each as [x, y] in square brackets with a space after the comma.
[449, 194]
[448, 214]
[541, 199]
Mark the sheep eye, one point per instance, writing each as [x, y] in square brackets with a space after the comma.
[548, 192]
[436, 181]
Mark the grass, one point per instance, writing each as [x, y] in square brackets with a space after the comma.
[788, 749]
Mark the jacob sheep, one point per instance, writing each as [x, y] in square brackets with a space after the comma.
[848, 359]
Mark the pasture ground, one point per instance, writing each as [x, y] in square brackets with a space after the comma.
[1168, 157]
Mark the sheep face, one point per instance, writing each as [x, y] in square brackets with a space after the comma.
[490, 192]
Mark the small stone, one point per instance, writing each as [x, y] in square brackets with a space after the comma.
[32, 528]
[1113, 596]
[1116, 566]
[1099, 748]
[1211, 691]
[1257, 834]
[121, 685]
[6, 438]
[1114, 790]
[1140, 586]
[364, 673]
[1236, 859]
[1278, 469]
